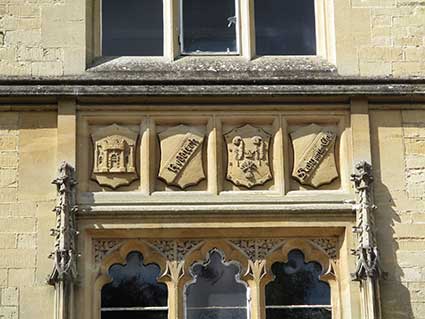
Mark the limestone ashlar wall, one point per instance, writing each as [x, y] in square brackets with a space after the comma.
[42, 38]
[399, 157]
[373, 37]
[27, 165]
[393, 41]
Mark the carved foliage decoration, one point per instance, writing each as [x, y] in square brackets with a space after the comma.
[329, 245]
[314, 155]
[181, 156]
[248, 162]
[102, 247]
[114, 162]
[64, 254]
[367, 250]
[257, 248]
[175, 249]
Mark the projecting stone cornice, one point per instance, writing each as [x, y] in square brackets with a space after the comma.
[283, 88]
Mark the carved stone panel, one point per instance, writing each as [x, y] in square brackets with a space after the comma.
[248, 162]
[114, 161]
[314, 155]
[181, 156]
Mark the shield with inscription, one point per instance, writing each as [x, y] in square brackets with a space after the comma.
[314, 155]
[248, 156]
[181, 156]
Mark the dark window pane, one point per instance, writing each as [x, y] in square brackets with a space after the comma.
[216, 291]
[217, 314]
[303, 313]
[132, 27]
[134, 285]
[284, 27]
[209, 26]
[297, 283]
[134, 315]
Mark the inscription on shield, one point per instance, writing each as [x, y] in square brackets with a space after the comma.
[114, 157]
[314, 155]
[181, 156]
[248, 156]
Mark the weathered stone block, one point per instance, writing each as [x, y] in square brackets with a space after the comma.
[9, 296]
[414, 146]
[30, 38]
[17, 258]
[27, 240]
[36, 302]
[8, 143]
[37, 144]
[46, 68]
[9, 312]
[7, 240]
[21, 277]
[409, 231]
[8, 195]
[3, 277]
[8, 178]
[9, 159]
[411, 259]
[17, 225]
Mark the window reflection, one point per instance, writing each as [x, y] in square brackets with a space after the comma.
[296, 291]
[216, 291]
[134, 291]
[209, 27]
[132, 28]
[284, 27]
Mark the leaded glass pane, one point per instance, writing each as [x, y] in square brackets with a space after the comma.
[216, 291]
[132, 28]
[209, 26]
[284, 27]
[303, 313]
[135, 315]
[133, 290]
[297, 291]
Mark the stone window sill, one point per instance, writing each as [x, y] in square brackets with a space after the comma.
[216, 68]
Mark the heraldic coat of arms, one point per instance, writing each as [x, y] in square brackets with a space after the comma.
[114, 162]
[248, 156]
[314, 155]
[181, 156]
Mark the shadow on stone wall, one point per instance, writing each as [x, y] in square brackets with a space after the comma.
[395, 295]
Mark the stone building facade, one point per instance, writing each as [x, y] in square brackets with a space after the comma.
[177, 157]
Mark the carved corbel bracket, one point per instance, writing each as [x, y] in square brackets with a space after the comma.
[64, 254]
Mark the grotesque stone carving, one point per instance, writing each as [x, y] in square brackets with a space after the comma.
[314, 155]
[64, 255]
[114, 161]
[367, 250]
[248, 161]
[368, 269]
[181, 156]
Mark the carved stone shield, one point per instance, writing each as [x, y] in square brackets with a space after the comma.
[181, 156]
[114, 160]
[314, 155]
[248, 156]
